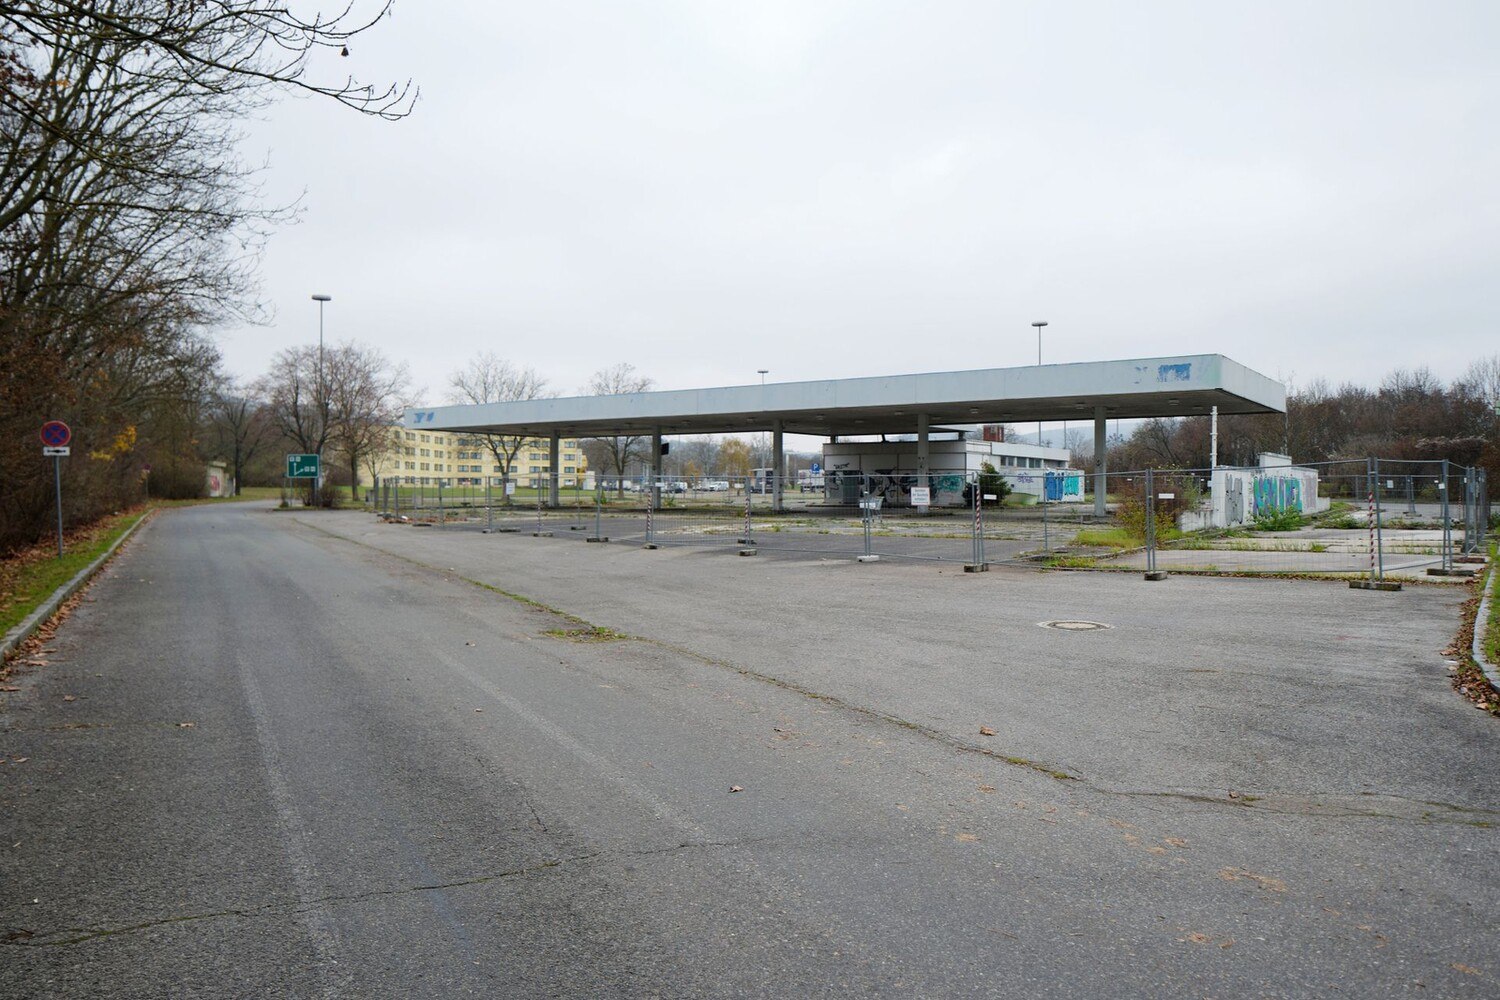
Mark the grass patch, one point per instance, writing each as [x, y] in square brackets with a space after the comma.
[591, 633]
[29, 577]
[1106, 538]
[1071, 562]
[1285, 519]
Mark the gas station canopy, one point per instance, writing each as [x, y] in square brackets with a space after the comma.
[890, 404]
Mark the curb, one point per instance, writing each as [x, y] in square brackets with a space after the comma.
[48, 608]
[1481, 628]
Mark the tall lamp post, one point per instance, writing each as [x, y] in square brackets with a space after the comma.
[762, 372]
[1039, 324]
[322, 398]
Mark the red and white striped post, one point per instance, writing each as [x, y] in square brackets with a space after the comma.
[978, 523]
[650, 512]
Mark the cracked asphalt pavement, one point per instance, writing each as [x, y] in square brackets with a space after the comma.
[307, 754]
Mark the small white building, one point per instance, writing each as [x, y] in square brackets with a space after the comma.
[1237, 495]
[217, 482]
[890, 469]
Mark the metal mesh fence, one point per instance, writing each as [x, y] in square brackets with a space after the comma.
[1370, 519]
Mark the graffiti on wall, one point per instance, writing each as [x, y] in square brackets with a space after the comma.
[893, 485]
[1274, 493]
[1064, 486]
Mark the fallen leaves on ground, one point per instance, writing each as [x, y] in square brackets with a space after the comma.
[986, 731]
[735, 788]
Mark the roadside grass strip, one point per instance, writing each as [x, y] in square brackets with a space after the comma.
[29, 577]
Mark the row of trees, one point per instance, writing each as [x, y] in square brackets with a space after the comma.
[129, 226]
[1411, 414]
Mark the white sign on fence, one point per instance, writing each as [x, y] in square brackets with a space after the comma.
[1166, 496]
[921, 496]
[510, 487]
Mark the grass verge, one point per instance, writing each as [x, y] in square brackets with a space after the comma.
[30, 576]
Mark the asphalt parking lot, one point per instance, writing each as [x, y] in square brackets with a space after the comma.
[331, 756]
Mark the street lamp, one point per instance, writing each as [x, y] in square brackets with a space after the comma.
[1039, 324]
[322, 396]
[762, 372]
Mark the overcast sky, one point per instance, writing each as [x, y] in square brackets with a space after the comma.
[841, 189]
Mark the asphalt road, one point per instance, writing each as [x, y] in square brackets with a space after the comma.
[308, 755]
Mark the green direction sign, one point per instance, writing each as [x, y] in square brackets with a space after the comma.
[302, 466]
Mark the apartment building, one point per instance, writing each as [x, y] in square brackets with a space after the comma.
[424, 457]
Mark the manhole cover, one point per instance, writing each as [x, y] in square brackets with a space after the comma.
[1074, 626]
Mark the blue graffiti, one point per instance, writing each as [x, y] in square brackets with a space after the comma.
[1272, 493]
[1064, 484]
[1174, 373]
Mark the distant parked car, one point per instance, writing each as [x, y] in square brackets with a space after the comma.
[678, 488]
[717, 486]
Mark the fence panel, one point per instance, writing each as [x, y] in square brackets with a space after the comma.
[1366, 518]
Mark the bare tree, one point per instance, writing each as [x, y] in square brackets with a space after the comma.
[488, 378]
[366, 395]
[240, 425]
[618, 452]
[1481, 380]
[128, 221]
[297, 393]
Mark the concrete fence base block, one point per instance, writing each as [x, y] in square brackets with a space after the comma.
[1388, 585]
[506, 531]
[749, 552]
[650, 545]
[1159, 574]
[576, 527]
[596, 539]
[541, 534]
[976, 567]
[867, 559]
[744, 541]
[1435, 571]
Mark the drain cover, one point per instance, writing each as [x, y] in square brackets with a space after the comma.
[1074, 626]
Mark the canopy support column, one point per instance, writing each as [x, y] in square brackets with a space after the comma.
[553, 451]
[656, 468]
[1101, 463]
[778, 463]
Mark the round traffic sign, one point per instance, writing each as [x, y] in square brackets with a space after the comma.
[55, 434]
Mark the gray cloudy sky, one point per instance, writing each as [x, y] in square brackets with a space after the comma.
[839, 189]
